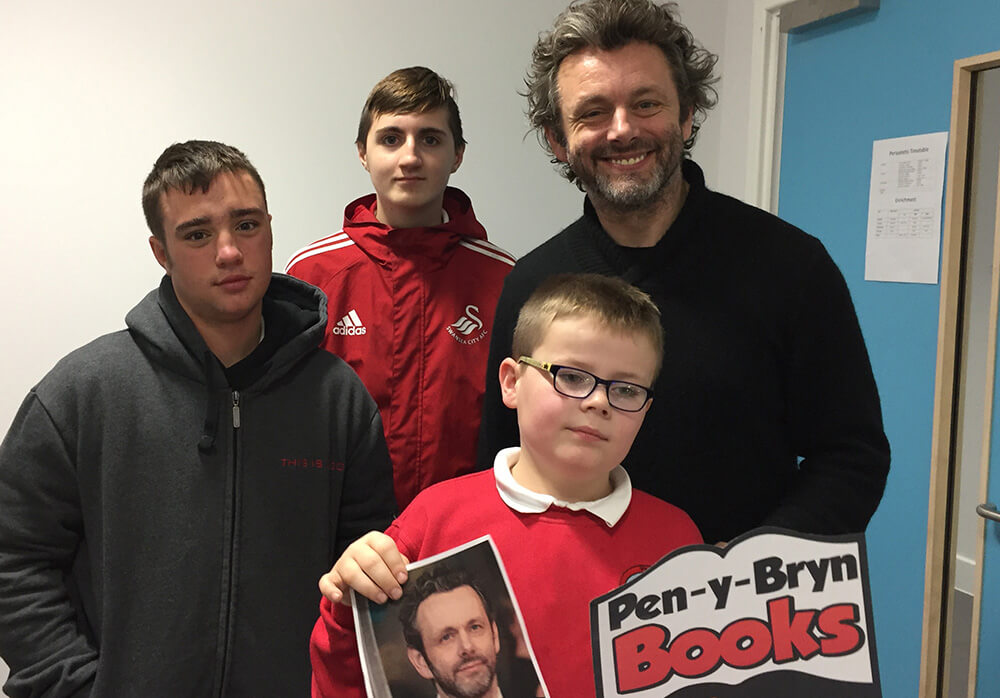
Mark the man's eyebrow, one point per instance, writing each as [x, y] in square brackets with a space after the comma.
[205, 220]
[241, 212]
[649, 90]
[193, 223]
[428, 130]
[589, 101]
[600, 99]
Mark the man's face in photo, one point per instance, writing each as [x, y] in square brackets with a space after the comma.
[460, 644]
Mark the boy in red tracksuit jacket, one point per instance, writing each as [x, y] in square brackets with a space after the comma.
[412, 281]
[585, 347]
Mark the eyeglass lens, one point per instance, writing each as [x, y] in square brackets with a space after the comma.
[576, 383]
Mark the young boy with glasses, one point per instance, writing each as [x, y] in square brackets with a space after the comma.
[587, 348]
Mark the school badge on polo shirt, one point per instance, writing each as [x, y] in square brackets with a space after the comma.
[468, 328]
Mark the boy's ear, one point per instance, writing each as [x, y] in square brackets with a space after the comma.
[160, 252]
[508, 382]
[362, 155]
[459, 154]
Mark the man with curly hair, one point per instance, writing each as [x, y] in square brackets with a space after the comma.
[767, 411]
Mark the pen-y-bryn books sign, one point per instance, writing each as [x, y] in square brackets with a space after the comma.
[773, 614]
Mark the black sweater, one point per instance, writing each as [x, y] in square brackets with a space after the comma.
[766, 411]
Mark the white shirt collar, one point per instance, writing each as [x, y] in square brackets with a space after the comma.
[519, 498]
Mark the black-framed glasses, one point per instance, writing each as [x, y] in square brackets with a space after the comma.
[577, 383]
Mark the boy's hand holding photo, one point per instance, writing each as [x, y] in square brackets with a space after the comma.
[372, 566]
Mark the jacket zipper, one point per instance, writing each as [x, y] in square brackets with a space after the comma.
[232, 545]
[236, 409]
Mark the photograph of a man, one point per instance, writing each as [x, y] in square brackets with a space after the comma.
[451, 633]
[456, 631]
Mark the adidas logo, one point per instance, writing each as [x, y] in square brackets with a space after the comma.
[349, 324]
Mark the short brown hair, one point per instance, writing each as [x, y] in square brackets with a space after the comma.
[607, 25]
[410, 91]
[188, 166]
[613, 303]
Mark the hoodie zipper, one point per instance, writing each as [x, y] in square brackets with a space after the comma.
[236, 409]
[232, 545]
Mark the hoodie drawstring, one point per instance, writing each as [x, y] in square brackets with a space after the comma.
[207, 441]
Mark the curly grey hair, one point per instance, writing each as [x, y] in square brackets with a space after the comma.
[607, 25]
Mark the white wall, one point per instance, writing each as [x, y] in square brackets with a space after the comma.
[724, 27]
[90, 94]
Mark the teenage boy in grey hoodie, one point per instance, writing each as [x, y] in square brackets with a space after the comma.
[170, 492]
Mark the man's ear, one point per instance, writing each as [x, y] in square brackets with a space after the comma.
[459, 154]
[419, 662]
[363, 155]
[687, 125]
[508, 382]
[160, 252]
[558, 147]
[496, 638]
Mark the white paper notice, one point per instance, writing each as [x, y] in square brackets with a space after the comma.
[904, 209]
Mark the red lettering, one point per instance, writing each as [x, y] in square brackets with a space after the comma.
[695, 653]
[746, 643]
[641, 657]
[839, 624]
[791, 630]
[645, 657]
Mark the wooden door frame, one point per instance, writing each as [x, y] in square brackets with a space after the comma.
[939, 570]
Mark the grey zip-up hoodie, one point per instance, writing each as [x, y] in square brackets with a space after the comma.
[162, 534]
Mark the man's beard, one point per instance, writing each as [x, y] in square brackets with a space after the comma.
[630, 192]
[467, 686]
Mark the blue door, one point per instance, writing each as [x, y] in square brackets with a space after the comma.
[881, 75]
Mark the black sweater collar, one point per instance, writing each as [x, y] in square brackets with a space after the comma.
[597, 252]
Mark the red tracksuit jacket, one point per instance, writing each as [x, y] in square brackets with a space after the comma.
[411, 310]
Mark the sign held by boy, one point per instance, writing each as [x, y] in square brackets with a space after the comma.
[773, 614]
